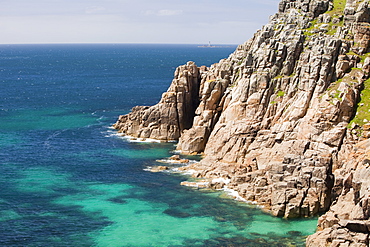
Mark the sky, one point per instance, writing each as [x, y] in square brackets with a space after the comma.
[132, 21]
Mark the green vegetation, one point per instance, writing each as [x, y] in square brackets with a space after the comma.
[363, 57]
[241, 61]
[335, 13]
[351, 53]
[333, 91]
[280, 93]
[337, 95]
[284, 76]
[363, 107]
[334, 85]
[308, 31]
[338, 8]
[332, 29]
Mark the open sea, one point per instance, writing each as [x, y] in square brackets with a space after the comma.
[67, 178]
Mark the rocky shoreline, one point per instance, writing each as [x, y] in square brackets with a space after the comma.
[284, 118]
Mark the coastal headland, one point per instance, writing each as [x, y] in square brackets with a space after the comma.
[284, 119]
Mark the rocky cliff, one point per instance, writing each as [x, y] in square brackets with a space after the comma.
[282, 119]
[174, 113]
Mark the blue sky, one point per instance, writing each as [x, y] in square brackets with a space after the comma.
[132, 21]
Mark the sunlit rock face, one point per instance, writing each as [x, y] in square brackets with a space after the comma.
[174, 113]
[274, 117]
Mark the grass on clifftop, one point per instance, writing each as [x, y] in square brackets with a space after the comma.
[336, 12]
[338, 8]
[363, 107]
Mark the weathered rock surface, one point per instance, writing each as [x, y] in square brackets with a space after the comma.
[159, 168]
[347, 222]
[171, 115]
[274, 118]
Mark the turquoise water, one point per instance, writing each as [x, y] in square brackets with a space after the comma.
[67, 180]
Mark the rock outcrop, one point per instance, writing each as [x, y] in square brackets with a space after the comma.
[274, 118]
[174, 113]
[347, 221]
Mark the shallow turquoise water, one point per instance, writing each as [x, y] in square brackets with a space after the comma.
[66, 180]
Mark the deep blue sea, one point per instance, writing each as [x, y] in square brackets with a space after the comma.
[66, 179]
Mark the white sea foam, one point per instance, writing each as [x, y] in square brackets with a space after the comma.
[234, 194]
[187, 172]
[148, 169]
[143, 140]
[113, 133]
[184, 162]
[237, 197]
[202, 184]
[221, 180]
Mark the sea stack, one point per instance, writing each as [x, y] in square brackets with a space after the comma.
[284, 118]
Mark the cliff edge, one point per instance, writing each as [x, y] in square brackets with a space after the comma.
[283, 119]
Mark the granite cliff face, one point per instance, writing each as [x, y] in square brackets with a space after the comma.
[174, 113]
[282, 118]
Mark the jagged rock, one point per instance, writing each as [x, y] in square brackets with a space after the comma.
[212, 88]
[175, 157]
[159, 168]
[202, 184]
[351, 211]
[273, 118]
[343, 65]
[171, 115]
[266, 117]
[361, 37]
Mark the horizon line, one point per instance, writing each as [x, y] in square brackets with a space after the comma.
[117, 43]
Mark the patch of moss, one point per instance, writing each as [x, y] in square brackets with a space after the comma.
[309, 31]
[336, 12]
[338, 8]
[333, 27]
[337, 95]
[280, 93]
[363, 57]
[363, 107]
[351, 53]
[211, 80]
[241, 61]
[284, 76]
[334, 85]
